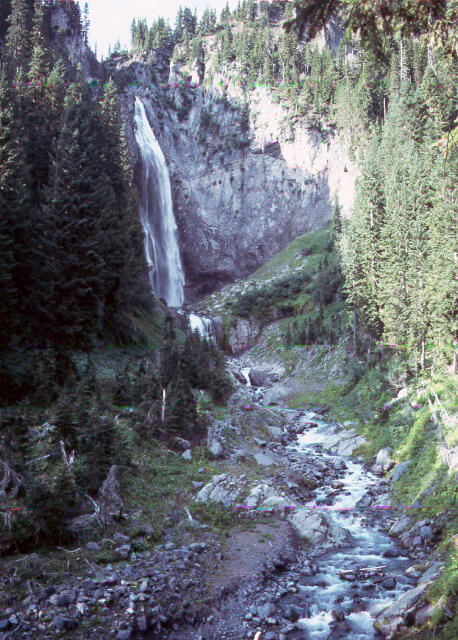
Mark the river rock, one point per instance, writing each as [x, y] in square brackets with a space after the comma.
[399, 470]
[317, 528]
[424, 614]
[344, 443]
[400, 525]
[221, 488]
[391, 618]
[383, 461]
[432, 573]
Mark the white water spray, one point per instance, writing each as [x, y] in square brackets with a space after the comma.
[156, 210]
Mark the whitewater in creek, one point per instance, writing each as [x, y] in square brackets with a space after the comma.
[367, 541]
[156, 211]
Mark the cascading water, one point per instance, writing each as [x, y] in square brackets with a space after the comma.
[156, 210]
[202, 325]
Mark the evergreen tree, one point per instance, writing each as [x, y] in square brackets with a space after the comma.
[70, 278]
[18, 36]
[17, 222]
[86, 24]
[181, 407]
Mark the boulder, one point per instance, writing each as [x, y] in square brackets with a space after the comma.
[399, 470]
[264, 460]
[214, 443]
[389, 621]
[432, 573]
[344, 443]
[221, 488]
[424, 614]
[260, 378]
[317, 528]
[180, 443]
[108, 496]
[383, 461]
[259, 493]
[187, 455]
[266, 611]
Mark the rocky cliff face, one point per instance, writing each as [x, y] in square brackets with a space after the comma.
[244, 183]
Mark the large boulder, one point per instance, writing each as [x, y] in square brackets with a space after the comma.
[221, 488]
[344, 443]
[260, 378]
[399, 470]
[317, 528]
[214, 444]
[394, 616]
[383, 461]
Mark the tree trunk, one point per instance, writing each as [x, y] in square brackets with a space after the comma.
[422, 356]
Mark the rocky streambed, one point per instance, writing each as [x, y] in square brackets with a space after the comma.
[312, 557]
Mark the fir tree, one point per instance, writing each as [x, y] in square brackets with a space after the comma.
[18, 36]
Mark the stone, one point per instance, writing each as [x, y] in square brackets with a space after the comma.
[260, 378]
[120, 538]
[317, 528]
[66, 598]
[400, 525]
[180, 443]
[344, 443]
[383, 461]
[123, 551]
[389, 583]
[187, 455]
[432, 573]
[93, 546]
[82, 608]
[196, 484]
[124, 634]
[4, 624]
[221, 488]
[401, 605]
[60, 622]
[417, 541]
[399, 470]
[424, 614]
[337, 613]
[108, 496]
[266, 610]
[197, 547]
[264, 460]
[411, 572]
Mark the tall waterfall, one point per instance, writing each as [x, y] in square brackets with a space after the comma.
[156, 210]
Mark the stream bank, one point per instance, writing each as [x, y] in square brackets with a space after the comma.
[328, 572]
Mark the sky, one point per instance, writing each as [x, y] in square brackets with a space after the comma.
[110, 20]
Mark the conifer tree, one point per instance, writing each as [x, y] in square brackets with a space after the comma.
[18, 35]
[17, 227]
[70, 278]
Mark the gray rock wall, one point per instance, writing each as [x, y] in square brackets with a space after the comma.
[240, 194]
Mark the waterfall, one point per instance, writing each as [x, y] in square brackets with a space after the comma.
[156, 210]
[203, 325]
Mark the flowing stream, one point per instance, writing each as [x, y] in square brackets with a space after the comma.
[366, 542]
[157, 217]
